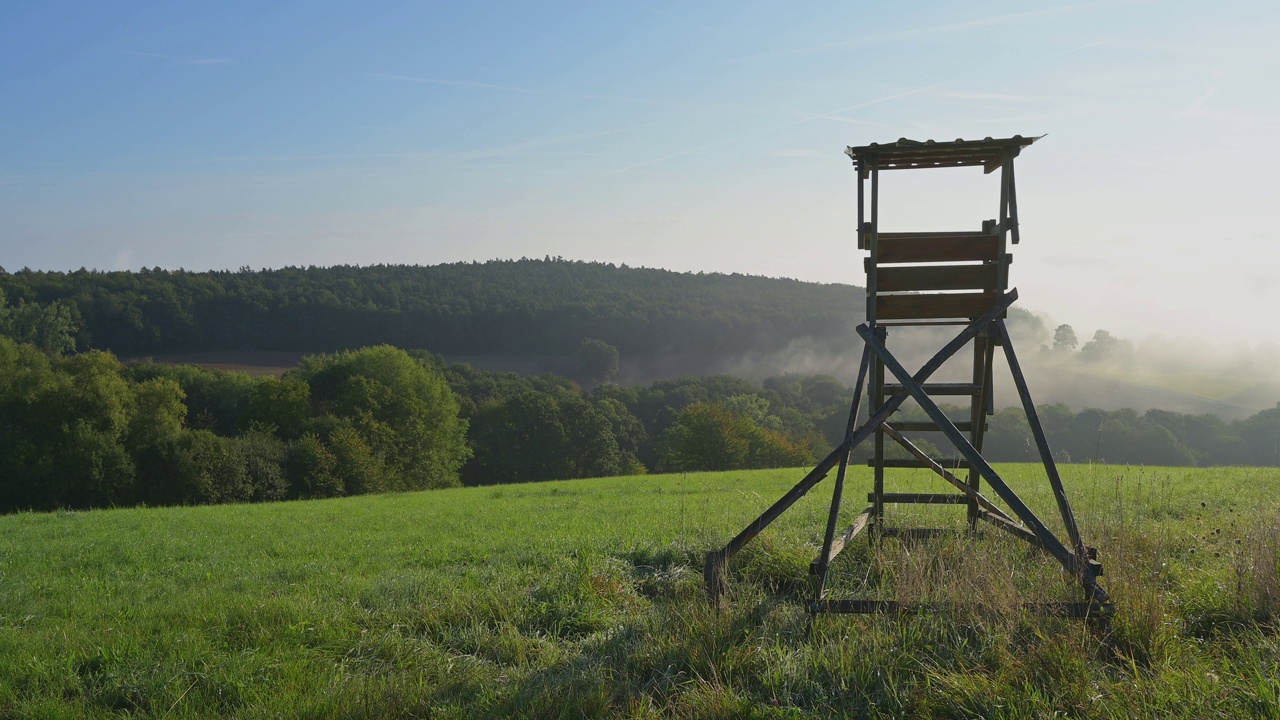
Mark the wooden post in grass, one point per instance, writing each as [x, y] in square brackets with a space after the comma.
[930, 279]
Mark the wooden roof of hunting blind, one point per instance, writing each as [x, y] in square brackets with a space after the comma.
[906, 153]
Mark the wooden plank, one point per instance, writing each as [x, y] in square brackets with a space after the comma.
[944, 305]
[943, 248]
[838, 543]
[1013, 204]
[859, 524]
[943, 473]
[1013, 528]
[983, 352]
[877, 473]
[920, 323]
[881, 412]
[906, 146]
[923, 498]
[1042, 442]
[961, 443]
[862, 227]
[936, 277]
[925, 235]
[938, 389]
[951, 463]
[800, 490]
[829, 538]
[958, 158]
[1021, 532]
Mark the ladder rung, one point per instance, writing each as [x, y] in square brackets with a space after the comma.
[947, 463]
[922, 498]
[939, 388]
[928, 426]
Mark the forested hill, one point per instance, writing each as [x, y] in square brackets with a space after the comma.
[497, 307]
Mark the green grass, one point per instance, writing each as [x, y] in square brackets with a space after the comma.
[584, 598]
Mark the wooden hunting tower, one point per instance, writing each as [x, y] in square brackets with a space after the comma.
[932, 279]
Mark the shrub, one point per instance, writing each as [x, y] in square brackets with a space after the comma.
[710, 436]
[403, 411]
[312, 469]
[535, 436]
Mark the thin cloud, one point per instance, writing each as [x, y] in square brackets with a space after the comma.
[685, 21]
[537, 143]
[1197, 107]
[832, 115]
[797, 153]
[972, 105]
[835, 114]
[517, 89]
[180, 60]
[945, 29]
[995, 97]
[1074, 49]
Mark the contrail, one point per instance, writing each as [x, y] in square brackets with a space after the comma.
[522, 90]
[685, 21]
[178, 60]
[1074, 49]
[866, 40]
[832, 115]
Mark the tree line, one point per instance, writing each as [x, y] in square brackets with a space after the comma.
[515, 307]
[86, 430]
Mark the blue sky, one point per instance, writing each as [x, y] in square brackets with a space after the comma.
[691, 136]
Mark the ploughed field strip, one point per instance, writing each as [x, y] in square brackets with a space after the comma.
[927, 279]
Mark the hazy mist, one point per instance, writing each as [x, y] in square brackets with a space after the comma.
[1231, 380]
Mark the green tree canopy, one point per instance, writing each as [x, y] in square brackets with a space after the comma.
[537, 436]
[597, 360]
[51, 327]
[403, 410]
[710, 436]
[1064, 338]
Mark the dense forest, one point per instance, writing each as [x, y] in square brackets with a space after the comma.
[499, 307]
[85, 430]
[80, 428]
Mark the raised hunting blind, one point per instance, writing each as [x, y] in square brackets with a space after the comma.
[932, 279]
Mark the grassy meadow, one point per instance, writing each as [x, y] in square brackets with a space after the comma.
[584, 598]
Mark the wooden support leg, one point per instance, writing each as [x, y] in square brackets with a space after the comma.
[818, 473]
[1087, 570]
[1020, 509]
[820, 581]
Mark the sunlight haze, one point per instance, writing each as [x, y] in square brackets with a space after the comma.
[689, 136]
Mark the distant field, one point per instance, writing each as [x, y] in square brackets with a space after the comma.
[255, 363]
[1076, 386]
[584, 598]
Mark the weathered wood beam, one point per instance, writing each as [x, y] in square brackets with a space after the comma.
[942, 472]
[840, 541]
[1042, 441]
[717, 560]
[1015, 503]
[836, 493]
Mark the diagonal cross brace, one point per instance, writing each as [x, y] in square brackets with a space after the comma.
[1042, 442]
[719, 557]
[1051, 543]
[941, 472]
